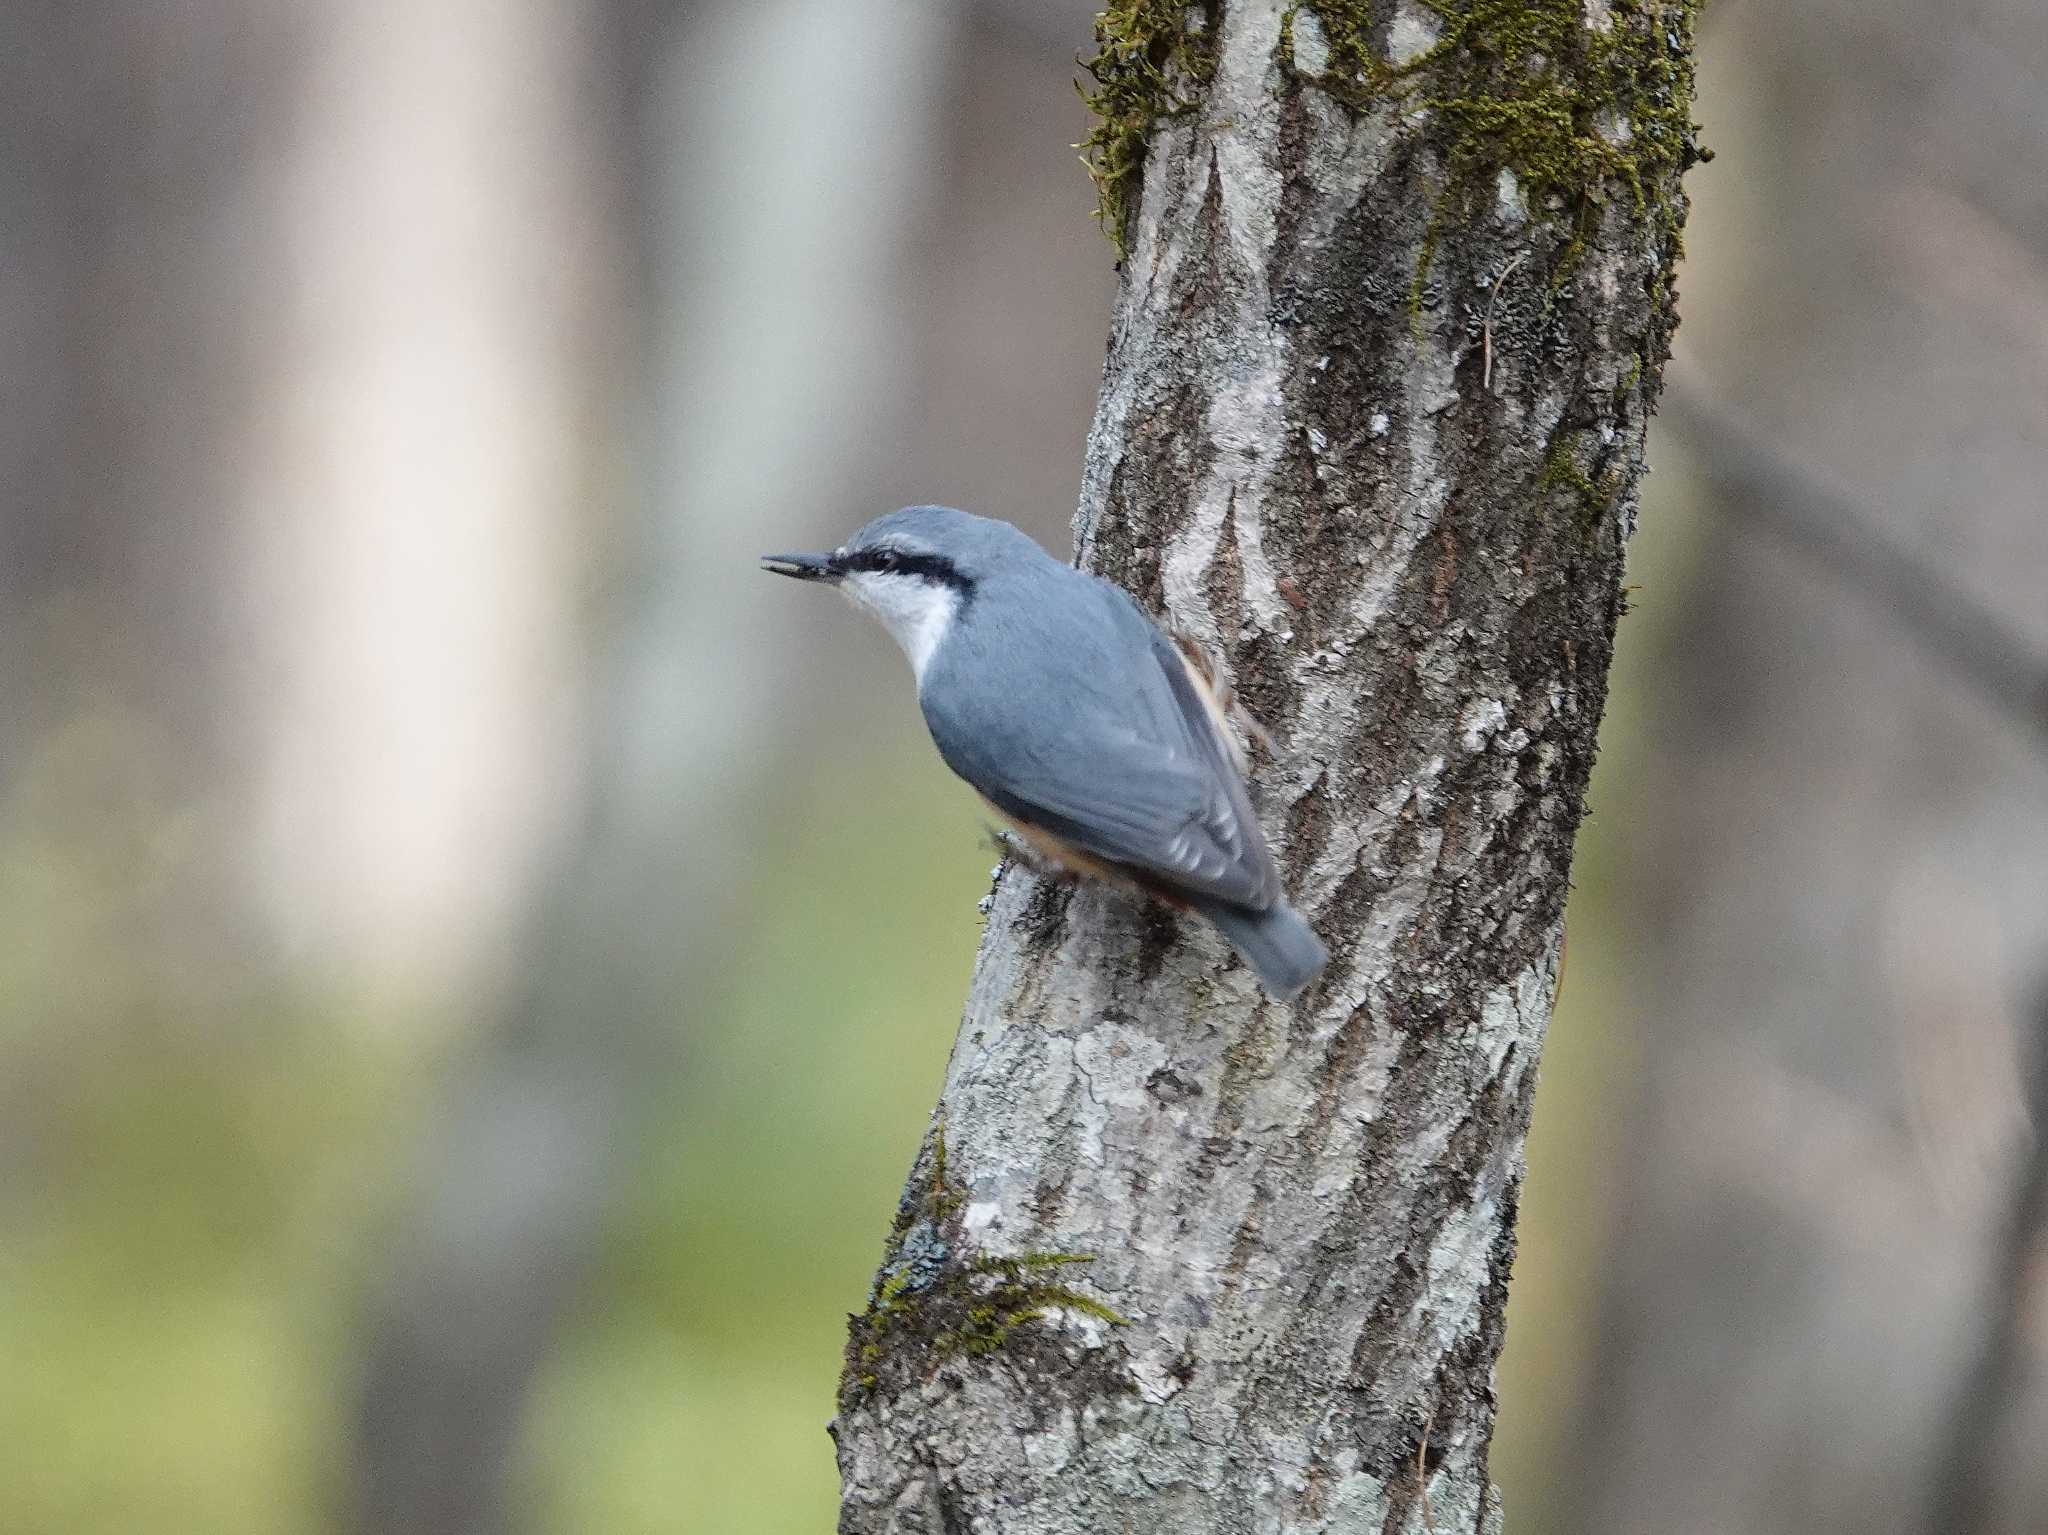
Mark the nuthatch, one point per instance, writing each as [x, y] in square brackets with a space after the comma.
[1076, 719]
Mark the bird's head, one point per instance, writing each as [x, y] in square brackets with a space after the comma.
[916, 570]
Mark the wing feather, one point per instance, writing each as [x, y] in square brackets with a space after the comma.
[1138, 773]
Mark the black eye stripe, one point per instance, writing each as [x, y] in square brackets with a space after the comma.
[909, 562]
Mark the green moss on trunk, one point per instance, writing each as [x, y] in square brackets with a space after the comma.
[1580, 114]
[1573, 468]
[1151, 57]
[936, 1301]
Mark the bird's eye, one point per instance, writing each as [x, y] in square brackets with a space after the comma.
[888, 559]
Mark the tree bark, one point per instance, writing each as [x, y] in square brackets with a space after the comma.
[1395, 302]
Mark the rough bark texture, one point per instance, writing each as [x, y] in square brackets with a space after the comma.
[1395, 303]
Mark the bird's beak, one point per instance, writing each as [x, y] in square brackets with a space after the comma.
[805, 567]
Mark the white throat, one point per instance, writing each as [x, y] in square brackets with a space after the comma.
[915, 611]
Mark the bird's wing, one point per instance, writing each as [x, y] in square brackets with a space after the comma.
[1151, 787]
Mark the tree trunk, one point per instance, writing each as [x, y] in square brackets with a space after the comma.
[1394, 307]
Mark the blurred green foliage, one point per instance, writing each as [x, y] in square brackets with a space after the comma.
[198, 1172]
[187, 1167]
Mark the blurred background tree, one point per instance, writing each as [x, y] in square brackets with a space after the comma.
[359, 361]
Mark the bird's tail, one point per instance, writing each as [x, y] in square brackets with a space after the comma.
[1278, 944]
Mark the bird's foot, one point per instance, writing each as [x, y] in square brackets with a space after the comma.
[1016, 850]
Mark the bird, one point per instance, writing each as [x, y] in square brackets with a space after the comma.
[1103, 743]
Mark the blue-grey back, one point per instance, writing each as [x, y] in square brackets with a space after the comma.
[1058, 699]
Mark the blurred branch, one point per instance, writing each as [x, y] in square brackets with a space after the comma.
[1966, 1472]
[1759, 479]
